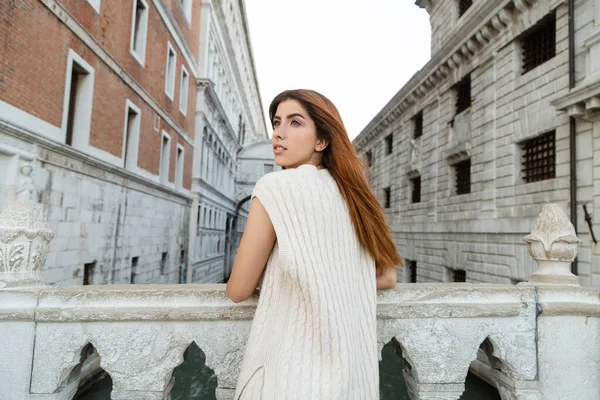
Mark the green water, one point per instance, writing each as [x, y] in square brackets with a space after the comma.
[195, 381]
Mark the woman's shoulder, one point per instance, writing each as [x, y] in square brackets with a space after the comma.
[292, 175]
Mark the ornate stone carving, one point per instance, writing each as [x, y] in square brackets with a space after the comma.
[24, 244]
[553, 245]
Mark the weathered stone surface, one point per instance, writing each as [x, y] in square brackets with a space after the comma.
[24, 244]
[553, 245]
[141, 339]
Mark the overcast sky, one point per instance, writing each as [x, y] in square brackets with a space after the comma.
[358, 53]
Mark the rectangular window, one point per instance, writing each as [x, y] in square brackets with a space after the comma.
[88, 273]
[131, 136]
[463, 94]
[182, 267]
[459, 275]
[139, 29]
[463, 6]
[538, 157]
[170, 71]
[389, 144]
[134, 269]
[183, 91]
[369, 158]
[163, 263]
[179, 167]
[387, 197]
[463, 177]
[77, 104]
[418, 125]
[165, 155]
[415, 184]
[412, 266]
[539, 43]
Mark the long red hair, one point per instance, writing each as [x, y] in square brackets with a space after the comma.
[347, 168]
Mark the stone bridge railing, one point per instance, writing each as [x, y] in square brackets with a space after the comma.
[541, 338]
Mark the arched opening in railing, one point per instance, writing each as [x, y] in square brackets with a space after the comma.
[391, 380]
[94, 382]
[192, 378]
[477, 383]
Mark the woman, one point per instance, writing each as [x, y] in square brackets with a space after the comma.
[323, 237]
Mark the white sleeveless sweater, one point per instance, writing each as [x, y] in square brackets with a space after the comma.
[313, 335]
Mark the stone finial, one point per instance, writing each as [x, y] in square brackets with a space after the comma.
[24, 244]
[553, 245]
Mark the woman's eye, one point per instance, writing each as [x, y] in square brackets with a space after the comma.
[294, 122]
[275, 123]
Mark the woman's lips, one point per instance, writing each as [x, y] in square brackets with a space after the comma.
[278, 149]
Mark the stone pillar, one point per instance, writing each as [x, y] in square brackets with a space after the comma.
[568, 323]
[24, 241]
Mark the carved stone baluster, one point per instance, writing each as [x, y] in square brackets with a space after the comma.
[24, 244]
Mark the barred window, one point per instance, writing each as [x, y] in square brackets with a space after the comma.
[387, 197]
[369, 157]
[539, 43]
[463, 6]
[459, 275]
[463, 177]
[463, 94]
[539, 158]
[412, 265]
[389, 143]
[416, 189]
[418, 125]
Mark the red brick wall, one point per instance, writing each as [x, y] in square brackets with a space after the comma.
[34, 46]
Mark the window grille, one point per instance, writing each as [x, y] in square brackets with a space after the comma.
[412, 265]
[418, 124]
[463, 6]
[539, 158]
[539, 43]
[459, 275]
[389, 143]
[463, 177]
[387, 194]
[416, 189]
[463, 94]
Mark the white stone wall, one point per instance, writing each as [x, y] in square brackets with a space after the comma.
[481, 232]
[102, 215]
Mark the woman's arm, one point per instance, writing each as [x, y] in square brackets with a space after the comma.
[252, 255]
[388, 279]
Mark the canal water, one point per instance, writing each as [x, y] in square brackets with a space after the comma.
[195, 381]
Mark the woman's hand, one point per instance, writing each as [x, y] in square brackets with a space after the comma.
[252, 255]
[388, 279]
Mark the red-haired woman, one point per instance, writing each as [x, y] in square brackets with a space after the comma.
[319, 236]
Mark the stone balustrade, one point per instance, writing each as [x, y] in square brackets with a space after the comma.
[541, 338]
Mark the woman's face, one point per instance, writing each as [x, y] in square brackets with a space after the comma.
[295, 139]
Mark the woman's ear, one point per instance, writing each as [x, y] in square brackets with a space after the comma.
[321, 145]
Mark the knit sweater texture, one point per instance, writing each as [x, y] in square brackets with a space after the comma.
[313, 335]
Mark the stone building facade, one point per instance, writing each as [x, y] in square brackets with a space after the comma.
[229, 117]
[502, 120]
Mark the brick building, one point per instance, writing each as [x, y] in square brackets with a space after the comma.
[124, 118]
[501, 120]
